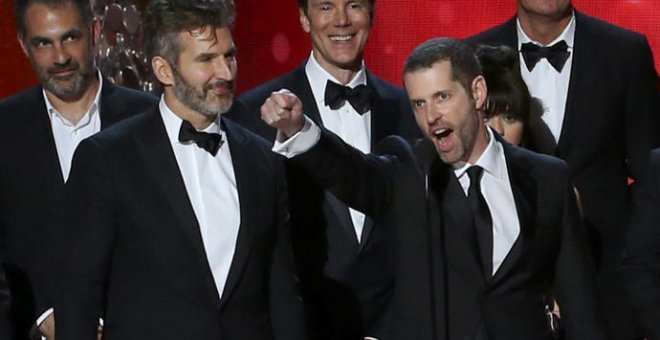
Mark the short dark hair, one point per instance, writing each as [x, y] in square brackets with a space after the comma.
[21, 6]
[464, 63]
[507, 91]
[165, 19]
[302, 4]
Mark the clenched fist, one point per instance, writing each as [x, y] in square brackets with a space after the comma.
[283, 111]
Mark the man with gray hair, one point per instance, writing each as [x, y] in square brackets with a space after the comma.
[179, 224]
[40, 129]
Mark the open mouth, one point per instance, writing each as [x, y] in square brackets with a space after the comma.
[442, 133]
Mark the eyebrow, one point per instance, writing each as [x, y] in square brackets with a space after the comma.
[74, 32]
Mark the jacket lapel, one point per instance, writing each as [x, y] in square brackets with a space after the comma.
[524, 195]
[43, 141]
[154, 147]
[580, 90]
[306, 96]
[248, 171]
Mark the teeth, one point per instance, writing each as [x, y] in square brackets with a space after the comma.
[340, 37]
[439, 132]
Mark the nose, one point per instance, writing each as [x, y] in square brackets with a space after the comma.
[433, 114]
[224, 69]
[62, 55]
[341, 17]
[496, 123]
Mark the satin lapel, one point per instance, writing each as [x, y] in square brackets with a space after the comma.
[248, 171]
[343, 216]
[524, 195]
[107, 110]
[460, 238]
[580, 89]
[306, 95]
[304, 92]
[383, 120]
[42, 140]
[154, 147]
[383, 124]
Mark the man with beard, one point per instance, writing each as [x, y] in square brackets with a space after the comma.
[599, 89]
[178, 217]
[343, 257]
[39, 131]
[482, 230]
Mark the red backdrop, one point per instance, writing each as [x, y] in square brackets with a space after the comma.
[270, 41]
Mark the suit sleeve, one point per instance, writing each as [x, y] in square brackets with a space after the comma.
[575, 286]
[642, 109]
[361, 181]
[89, 234]
[287, 311]
[641, 267]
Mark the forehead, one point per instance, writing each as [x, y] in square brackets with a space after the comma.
[45, 20]
[428, 80]
[207, 39]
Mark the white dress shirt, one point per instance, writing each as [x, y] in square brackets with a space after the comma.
[68, 135]
[345, 122]
[496, 189]
[545, 83]
[211, 186]
[495, 185]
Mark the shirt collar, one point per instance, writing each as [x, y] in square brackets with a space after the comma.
[173, 123]
[93, 109]
[491, 160]
[567, 35]
[318, 77]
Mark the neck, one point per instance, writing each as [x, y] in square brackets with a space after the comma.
[480, 144]
[543, 29]
[74, 107]
[345, 73]
[198, 120]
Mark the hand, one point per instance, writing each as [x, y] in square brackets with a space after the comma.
[283, 111]
[47, 328]
[99, 332]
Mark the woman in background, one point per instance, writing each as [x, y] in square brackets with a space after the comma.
[510, 109]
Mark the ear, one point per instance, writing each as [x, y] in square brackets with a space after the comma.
[479, 92]
[96, 31]
[304, 20]
[163, 71]
[23, 47]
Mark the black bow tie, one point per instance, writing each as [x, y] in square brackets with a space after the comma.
[359, 97]
[210, 142]
[556, 54]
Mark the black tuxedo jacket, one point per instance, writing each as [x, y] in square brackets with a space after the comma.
[137, 258]
[642, 265]
[610, 125]
[32, 193]
[347, 284]
[440, 292]
[5, 324]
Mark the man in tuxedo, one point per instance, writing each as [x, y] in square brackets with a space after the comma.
[599, 88]
[483, 230]
[178, 216]
[342, 256]
[39, 130]
[642, 264]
